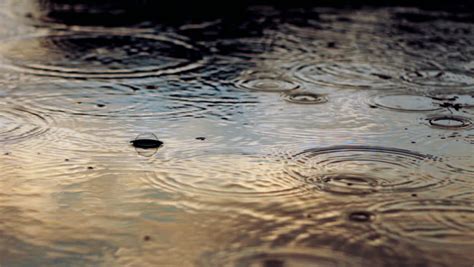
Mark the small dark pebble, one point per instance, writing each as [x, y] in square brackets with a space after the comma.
[66, 160]
[100, 105]
[414, 195]
[349, 184]
[373, 106]
[6, 153]
[151, 87]
[201, 138]
[413, 142]
[360, 216]
[146, 143]
[79, 102]
[309, 216]
[331, 45]
[428, 136]
[147, 238]
[406, 129]
[90, 168]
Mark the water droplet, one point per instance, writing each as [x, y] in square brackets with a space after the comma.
[146, 141]
[449, 122]
[304, 98]
[266, 84]
[361, 216]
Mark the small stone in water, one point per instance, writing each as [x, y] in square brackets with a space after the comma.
[100, 105]
[90, 168]
[201, 138]
[147, 238]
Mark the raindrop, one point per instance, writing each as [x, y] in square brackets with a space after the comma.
[449, 122]
[304, 98]
[267, 84]
[361, 170]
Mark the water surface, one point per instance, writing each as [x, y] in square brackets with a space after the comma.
[291, 137]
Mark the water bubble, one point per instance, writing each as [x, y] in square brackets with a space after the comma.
[361, 216]
[266, 84]
[146, 141]
[304, 98]
[449, 122]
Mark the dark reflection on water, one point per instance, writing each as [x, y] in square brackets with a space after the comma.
[288, 135]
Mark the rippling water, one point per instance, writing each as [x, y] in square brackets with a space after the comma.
[317, 136]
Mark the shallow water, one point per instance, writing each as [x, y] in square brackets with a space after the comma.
[291, 137]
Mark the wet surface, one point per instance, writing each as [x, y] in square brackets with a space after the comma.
[277, 137]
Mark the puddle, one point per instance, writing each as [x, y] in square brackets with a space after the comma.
[135, 135]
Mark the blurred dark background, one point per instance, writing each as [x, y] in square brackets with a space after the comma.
[92, 12]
